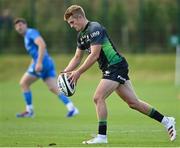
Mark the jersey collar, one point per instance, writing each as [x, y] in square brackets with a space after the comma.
[86, 26]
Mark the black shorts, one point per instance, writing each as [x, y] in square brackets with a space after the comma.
[117, 72]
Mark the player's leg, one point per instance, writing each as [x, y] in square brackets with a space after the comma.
[52, 86]
[104, 89]
[127, 93]
[25, 83]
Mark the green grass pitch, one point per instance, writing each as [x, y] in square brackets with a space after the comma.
[153, 80]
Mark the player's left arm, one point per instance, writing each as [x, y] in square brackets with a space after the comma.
[41, 51]
[91, 58]
[97, 35]
[89, 61]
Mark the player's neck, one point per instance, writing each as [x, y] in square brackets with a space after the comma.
[24, 32]
[85, 23]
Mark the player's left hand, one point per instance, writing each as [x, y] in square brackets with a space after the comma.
[38, 67]
[74, 76]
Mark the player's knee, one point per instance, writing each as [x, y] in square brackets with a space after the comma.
[133, 105]
[97, 99]
[22, 84]
[53, 90]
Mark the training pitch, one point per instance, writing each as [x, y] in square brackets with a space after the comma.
[153, 80]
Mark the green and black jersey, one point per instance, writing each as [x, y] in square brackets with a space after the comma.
[95, 34]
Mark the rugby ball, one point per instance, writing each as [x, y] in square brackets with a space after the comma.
[64, 85]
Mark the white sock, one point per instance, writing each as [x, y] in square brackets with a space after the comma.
[70, 106]
[165, 121]
[102, 136]
[29, 108]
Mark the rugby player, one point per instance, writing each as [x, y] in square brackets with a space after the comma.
[93, 38]
[41, 66]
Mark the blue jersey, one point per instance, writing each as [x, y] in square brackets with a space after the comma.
[29, 41]
[48, 66]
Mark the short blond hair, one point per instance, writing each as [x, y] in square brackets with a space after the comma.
[73, 10]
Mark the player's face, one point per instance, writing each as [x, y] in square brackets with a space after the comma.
[75, 23]
[21, 28]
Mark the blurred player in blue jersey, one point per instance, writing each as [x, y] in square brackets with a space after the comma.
[42, 66]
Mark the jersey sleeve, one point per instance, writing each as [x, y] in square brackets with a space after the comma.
[33, 34]
[96, 34]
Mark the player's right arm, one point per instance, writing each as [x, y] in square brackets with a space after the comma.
[75, 61]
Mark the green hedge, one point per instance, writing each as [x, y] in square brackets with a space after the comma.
[134, 26]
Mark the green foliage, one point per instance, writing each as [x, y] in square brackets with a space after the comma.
[117, 20]
[151, 29]
[152, 24]
[173, 18]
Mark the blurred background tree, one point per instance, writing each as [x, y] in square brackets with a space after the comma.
[134, 26]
